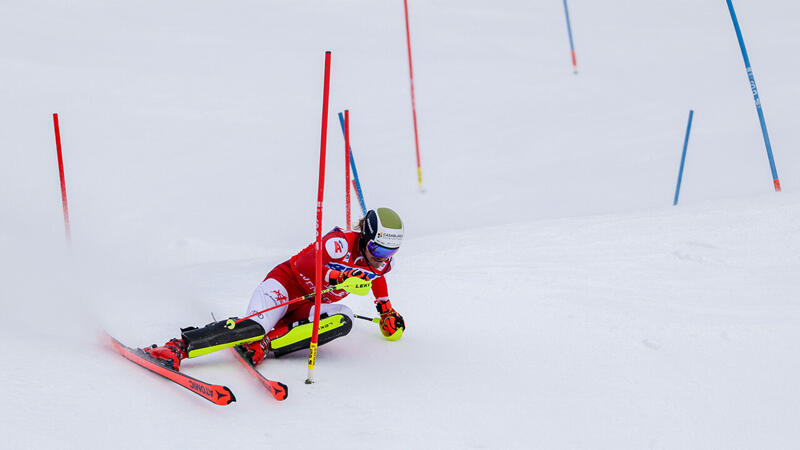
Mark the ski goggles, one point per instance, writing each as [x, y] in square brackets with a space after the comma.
[379, 251]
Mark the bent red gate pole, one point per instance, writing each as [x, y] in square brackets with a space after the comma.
[413, 101]
[312, 353]
[64, 204]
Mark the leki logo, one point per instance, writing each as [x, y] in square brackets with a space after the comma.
[279, 296]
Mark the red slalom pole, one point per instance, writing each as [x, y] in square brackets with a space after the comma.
[312, 354]
[347, 167]
[413, 101]
[64, 204]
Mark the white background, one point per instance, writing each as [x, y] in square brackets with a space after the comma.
[554, 297]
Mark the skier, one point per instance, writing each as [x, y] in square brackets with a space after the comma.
[364, 254]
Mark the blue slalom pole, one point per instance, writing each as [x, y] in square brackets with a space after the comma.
[571, 42]
[683, 157]
[776, 182]
[355, 172]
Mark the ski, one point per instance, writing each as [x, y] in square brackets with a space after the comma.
[278, 390]
[217, 394]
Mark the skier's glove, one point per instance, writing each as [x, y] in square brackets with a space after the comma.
[392, 324]
[339, 277]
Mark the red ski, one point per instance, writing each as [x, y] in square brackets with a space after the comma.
[278, 390]
[214, 393]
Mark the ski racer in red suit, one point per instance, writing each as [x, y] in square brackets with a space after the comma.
[365, 254]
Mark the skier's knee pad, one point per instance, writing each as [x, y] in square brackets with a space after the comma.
[298, 336]
[220, 335]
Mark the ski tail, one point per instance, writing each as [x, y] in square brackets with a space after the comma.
[217, 394]
[278, 390]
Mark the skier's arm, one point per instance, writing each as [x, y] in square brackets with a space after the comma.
[392, 324]
[337, 277]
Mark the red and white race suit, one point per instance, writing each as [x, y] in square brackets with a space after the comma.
[295, 278]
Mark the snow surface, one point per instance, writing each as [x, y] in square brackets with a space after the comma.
[554, 296]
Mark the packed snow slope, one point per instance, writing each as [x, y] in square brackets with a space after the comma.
[554, 297]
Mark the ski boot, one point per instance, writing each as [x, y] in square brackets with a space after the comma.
[256, 351]
[170, 354]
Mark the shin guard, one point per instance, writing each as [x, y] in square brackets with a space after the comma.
[220, 335]
[299, 335]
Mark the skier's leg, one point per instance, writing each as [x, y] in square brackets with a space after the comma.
[209, 339]
[219, 335]
[226, 333]
[331, 309]
[269, 293]
[336, 320]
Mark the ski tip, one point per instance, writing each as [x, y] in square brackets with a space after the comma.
[283, 393]
[231, 398]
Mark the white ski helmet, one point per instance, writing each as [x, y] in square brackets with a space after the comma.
[382, 232]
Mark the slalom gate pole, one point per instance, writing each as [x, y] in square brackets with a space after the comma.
[413, 101]
[571, 42]
[64, 205]
[356, 182]
[347, 168]
[683, 158]
[312, 353]
[775, 181]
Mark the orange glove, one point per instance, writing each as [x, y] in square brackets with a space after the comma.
[337, 277]
[392, 324]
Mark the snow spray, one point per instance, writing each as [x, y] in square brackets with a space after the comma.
[775, 181]
[64, 204]
[683, 157]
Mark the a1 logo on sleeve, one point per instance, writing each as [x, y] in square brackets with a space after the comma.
[336, 247]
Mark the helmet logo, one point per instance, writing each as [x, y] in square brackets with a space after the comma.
[389, 240]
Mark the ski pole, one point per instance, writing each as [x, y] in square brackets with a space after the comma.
[373, 320]
[393, 337]
[352, 285]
